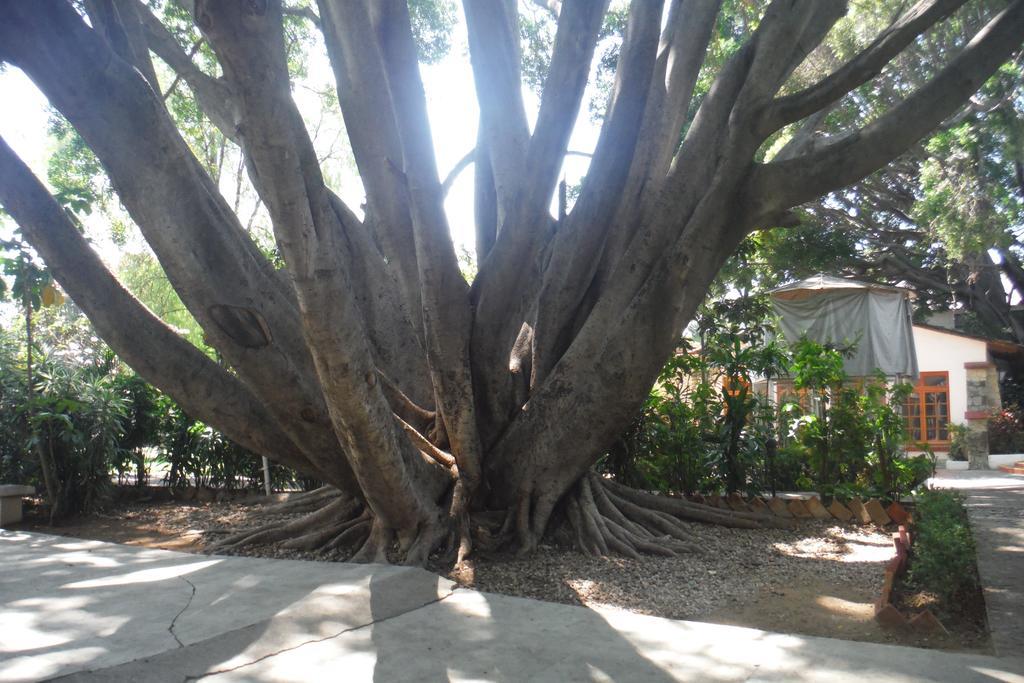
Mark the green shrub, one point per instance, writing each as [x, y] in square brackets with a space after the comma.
[141, 425]
[703, 428]
[1006, 431]
[942, 554]
[76, 424]
[15, 465]
[198, 455]
[958, 442]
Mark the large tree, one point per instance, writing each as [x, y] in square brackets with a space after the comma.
[429, 406]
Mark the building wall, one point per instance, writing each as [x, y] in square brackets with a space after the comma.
[937, 351]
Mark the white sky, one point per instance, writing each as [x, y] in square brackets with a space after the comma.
[452, 108]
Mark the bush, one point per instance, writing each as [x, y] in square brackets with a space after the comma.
[141, 425]
[958, 442]
[703, 428]
[198, 455]
[854, 439]
[942, 555]
[76, 425]
[15, 465]
[1006, 431]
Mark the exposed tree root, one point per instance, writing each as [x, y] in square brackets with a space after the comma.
[304, 502]
[606, 517]
[304, 533]
[334, 522]
[601, 516]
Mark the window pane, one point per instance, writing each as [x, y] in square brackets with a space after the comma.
[926, 411]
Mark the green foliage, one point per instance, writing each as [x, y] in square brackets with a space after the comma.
[142, 275]
[853, 435]
[141, 427]
[27, 276]
[467, 263]
[929, 218]
[1006, 431]
[942, 556]
[14, 465]
[703, 428]
[76, 425]
[958, 442]
[536, 37]
[198, 455]
[433, 22]
[817, 367]
[88, 418]
[73, 170]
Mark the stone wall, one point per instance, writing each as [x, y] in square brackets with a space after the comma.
[982, 400]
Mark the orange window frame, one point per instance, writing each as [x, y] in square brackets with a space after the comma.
[919, 400]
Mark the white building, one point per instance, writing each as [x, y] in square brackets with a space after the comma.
[958, 381]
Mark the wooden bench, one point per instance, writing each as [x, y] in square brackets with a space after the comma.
[10, 502]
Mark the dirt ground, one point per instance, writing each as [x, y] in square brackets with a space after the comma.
[817, 579]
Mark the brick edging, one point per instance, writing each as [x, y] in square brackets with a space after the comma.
[886, 613]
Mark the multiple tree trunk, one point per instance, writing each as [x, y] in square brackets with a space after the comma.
[368, 362]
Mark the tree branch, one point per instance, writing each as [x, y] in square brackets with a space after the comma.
[862, 68]
[579, 23]
[783, 184]
[552, 7]
[578, 244]
[494, 52]
[370, 120]
[120, 25]
[470, 158]
[680, 56]
[447, 317]
[213, 95]
[305, 12]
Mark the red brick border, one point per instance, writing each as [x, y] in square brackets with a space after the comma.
[886, 613]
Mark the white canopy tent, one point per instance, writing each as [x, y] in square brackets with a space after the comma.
[877, 318]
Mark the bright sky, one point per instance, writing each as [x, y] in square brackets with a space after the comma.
[453, 114]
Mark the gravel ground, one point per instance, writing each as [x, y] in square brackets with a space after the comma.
[736, 566]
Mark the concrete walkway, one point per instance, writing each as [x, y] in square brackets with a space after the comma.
[995, 507]
[96, 611]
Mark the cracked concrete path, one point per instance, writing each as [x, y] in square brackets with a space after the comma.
[71, 605]
[92, 611]
[995, 508]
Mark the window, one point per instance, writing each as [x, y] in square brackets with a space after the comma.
[927, 409]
